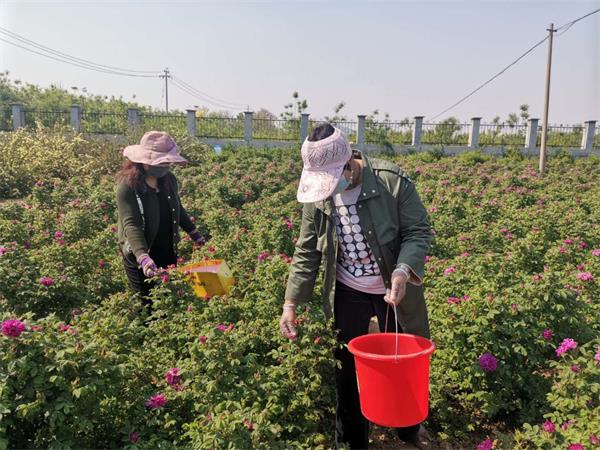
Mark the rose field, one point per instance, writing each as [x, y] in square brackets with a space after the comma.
[512, 288]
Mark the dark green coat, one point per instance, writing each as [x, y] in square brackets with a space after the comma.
[396, 226]
[137, 235]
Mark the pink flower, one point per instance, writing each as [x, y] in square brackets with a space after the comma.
[488, 444]
[562, 250]
[318, 340]
[64, 328]
[76, 312]
[288, 223]
[594, 439]
[568, 241]
[582, 245]
[156, 401]
[46, 281]
[133, 437]
[433, 209]
[566, 345]
[249, 425]
[504, 230]
[597, 355]
[537, 277]
[565, 426]
[202, 339]
[3, 250]
[488, 362]
[548, 334]
[164, 278]
[263, 256]
[173, 376]
[222, 327]
[575, 447]
[58, 235]
[585, 276]
[210, 250]
[465, 255]
[454, 301]
[449, 270]
[596, 252]
[102, 264]
[12, 328]
[427, 258]
[548, 427]
[575, 368]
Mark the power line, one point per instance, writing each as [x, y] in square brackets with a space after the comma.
[491, 79]
[200, 93]
[567, 26]
[63, 55]
[185, 89]
[570, 24]
[111, 72]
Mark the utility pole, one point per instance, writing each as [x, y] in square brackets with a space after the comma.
[542, 167]
[166, 76]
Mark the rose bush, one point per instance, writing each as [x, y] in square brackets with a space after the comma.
[513, 271]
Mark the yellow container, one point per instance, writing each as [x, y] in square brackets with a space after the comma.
[208, 278]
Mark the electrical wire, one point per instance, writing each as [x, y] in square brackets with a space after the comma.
[63, 55]
[183, 88]
[111, 72]
[200, 93]
[567, 26]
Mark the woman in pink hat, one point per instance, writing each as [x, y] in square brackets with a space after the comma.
[150, 210]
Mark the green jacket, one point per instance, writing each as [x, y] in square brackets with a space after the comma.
[396, 227]
[137, 232]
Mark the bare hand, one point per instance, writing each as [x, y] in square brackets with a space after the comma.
[287, 324]
[398, 291]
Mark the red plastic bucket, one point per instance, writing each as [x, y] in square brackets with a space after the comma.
[393, 387]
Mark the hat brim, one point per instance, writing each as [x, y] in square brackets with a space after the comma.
[138, 154]
[317, 185]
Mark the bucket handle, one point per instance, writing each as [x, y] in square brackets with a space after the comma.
[386, 324]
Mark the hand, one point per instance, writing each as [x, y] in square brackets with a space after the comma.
[147, 265]
[286, 323]
[398, 291]
[197, 238]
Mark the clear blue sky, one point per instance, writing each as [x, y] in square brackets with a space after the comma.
[405, 58]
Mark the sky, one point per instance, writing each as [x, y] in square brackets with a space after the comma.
[405, 58]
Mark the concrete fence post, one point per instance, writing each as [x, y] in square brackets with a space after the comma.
[304, 126]
[417, 131]
[76, 114]
[248, 126]
[133, 118]
[191, 122]
[474, 132]
[531, 137]
[587, 141]
[361, 131]
[18, 116]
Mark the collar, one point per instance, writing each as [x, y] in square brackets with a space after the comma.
[369, 188]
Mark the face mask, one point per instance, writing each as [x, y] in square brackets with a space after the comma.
[157, 171]
[341, 186]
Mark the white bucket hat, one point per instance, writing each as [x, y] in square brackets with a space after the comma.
[324, 163]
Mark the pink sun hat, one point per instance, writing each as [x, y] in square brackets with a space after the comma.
[324, 163]
[155, 148]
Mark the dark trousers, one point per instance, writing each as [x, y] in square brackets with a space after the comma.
[138, 283]
[353, 312]
[137, 279]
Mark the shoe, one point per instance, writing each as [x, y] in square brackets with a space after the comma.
[420, 439]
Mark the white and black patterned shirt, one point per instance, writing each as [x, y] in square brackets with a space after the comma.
[356, 265]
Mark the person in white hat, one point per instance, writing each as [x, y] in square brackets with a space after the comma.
[150, 210]
[363, 217]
